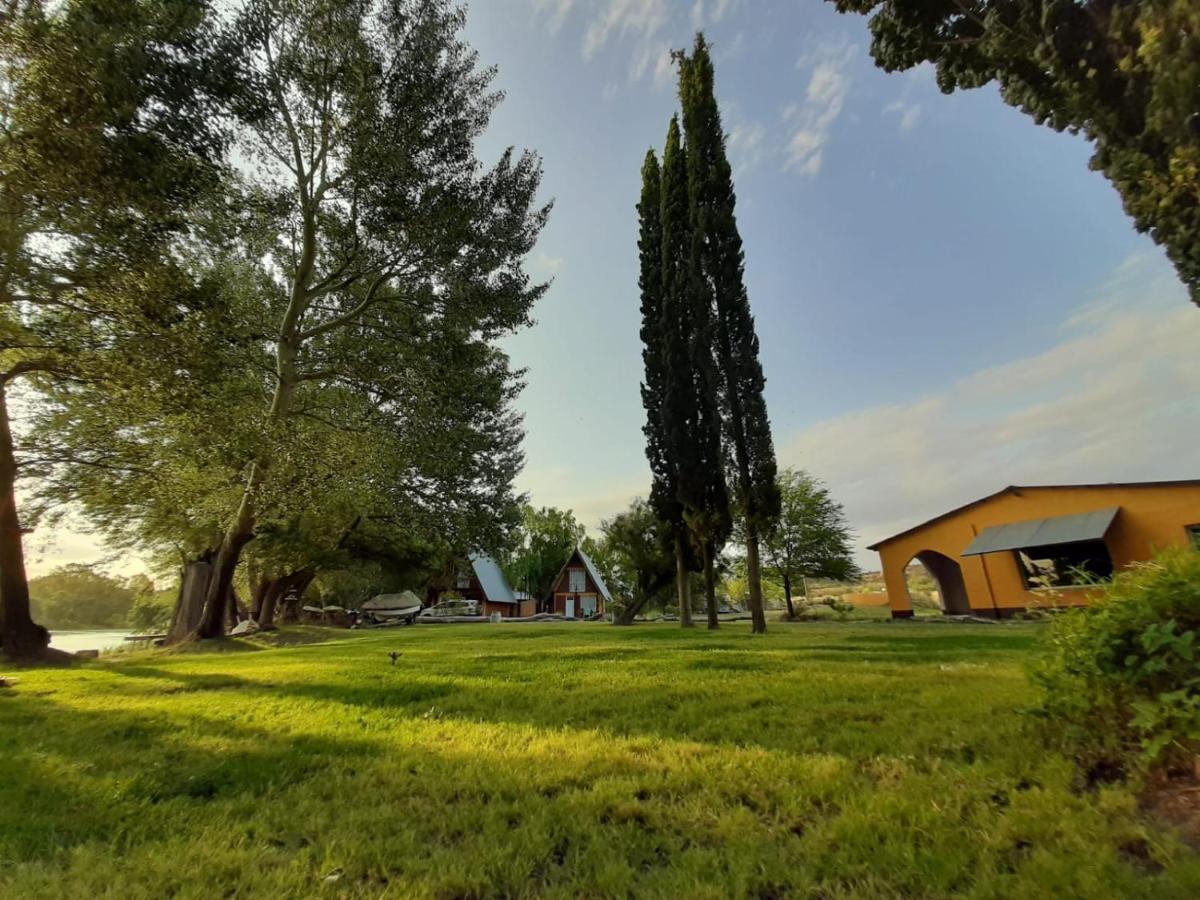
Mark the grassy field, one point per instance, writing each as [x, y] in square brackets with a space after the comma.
[824, 760]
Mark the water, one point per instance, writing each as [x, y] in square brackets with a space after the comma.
[71, 641]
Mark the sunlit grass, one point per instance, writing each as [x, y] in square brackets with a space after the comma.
[829, 760]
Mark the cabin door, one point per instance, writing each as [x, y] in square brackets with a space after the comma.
[570, 607]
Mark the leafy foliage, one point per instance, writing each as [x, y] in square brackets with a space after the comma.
[1120, 678]
[1125, 75]
[544, 540]
[79, 596]
[811, 538]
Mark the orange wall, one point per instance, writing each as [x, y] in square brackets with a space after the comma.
[1151, 517]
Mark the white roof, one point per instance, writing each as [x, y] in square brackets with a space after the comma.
[403, 600]
[491, 579]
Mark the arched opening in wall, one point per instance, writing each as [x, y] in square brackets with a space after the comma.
[935, 580]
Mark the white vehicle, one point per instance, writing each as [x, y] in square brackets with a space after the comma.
[453, 608]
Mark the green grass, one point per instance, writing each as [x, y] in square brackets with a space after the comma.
[824, 760]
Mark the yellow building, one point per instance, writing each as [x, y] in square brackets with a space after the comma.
[1039, 546]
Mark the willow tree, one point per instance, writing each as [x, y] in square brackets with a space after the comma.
[1124, 75]
[387, 229]
[690, 407]
[109, 131]
[716, 263]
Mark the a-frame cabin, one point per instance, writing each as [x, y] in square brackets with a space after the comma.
[579, 591]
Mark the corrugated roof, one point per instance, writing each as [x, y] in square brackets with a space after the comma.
[1017, 488]
[1088, 526]
[591, 570]
[491, 579]
[595, 573]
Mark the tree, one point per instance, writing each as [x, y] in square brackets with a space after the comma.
[77, 596]
[544, 540]
[1125, 75]
[109, 129]
[690, 416]
[387, 233]
[717, 273]
[811, 538]
[640, 552]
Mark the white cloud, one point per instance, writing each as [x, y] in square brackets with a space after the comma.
[554, 11]
[1114, 400]
[909, 113]
[713, 13]
[746, 145]
[810, 122]
[638, 18]
[652, 57]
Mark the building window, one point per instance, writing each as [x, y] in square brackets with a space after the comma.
[1065, 565]
[1193, 532]
[576, 583]
[463, 581]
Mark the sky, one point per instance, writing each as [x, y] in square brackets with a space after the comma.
[948, 300]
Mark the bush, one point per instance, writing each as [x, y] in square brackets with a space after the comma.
[1120, 679]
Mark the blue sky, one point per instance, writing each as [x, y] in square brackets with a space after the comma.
[948, 300]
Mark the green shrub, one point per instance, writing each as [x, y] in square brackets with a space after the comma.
[1120, 679]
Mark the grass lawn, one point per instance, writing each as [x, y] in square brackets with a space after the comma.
[824, 760]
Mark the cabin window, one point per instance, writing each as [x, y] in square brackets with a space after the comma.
[588, 606]
[1193, 532]
[576, 583]
[463, 581]
[1065, 565]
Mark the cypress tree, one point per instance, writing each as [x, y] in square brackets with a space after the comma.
[691, 412]
[663, 499]
[717, 272]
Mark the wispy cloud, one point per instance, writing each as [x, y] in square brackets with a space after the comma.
[553, 12]
[746, 145]
[810, 122]
[712, 12]
[1115, 399]
[909, 113]
[637, 18]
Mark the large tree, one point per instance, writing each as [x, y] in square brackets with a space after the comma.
[717, 272]
[1125, 75]
[109, 115]
[811, 538]
[543, 542]
[664, 499]
[690, 407]
[639, 549]
[388, 233]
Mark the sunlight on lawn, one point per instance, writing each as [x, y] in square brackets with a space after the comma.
[841, 760]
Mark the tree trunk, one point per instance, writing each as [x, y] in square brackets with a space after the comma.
[754, 577]
[683, 586]
[629, 613]
[217, 596]
[270, 600]
[189, 605]
[787, 594]
[20, 637]
[710, 587]
[291, 593]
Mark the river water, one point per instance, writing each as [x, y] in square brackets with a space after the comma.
[71, 641]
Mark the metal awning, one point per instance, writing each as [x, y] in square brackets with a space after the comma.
[1089, 526]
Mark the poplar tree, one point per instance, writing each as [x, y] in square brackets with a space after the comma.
[388, 230]
[663, 499]
[690, 408]
[717, 272]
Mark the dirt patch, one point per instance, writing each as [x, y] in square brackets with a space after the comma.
[1176, 801]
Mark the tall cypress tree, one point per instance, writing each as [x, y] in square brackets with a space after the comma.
[717, 271]
[691, 411]
[663, 498]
